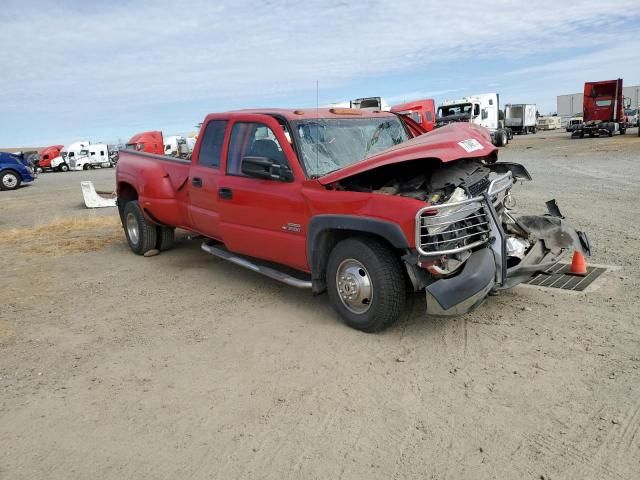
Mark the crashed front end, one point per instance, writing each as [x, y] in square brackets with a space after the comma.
[473, 243]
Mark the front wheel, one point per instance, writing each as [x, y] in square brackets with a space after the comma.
[366, 283]
[9, 180]
[141, 235]
[64, 167]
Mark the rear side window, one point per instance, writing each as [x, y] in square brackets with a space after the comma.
[212, 141]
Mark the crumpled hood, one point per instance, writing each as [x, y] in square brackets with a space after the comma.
[452, 142]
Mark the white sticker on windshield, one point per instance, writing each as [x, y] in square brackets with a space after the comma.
[471, 145]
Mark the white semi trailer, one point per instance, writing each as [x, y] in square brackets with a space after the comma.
[479, 109]
[520, 117]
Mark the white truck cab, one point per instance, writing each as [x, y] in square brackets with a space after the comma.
[92, 156]
[481, 109]
[69, 152]
[176, 146]
[370, 103]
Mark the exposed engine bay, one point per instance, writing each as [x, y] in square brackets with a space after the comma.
[469, 207]
[434, 182]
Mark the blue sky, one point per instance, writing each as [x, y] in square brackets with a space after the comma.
[105, 70]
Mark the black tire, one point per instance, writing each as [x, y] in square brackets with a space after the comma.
[535, 130]
[166, 238]
[610, 131]
[10, 180]
[382, 269]
[86, 166]
[64, 167]
[500, 138]
[146, 236]
[623, 131]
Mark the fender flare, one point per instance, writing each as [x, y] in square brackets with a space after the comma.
[318, 243]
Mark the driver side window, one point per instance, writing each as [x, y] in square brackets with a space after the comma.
[252, 140]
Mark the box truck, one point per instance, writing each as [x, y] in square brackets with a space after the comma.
[520, 117]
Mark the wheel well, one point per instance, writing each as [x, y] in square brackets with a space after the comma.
[326, 241]
[126, 193]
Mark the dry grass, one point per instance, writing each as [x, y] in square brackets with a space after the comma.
[65, 236]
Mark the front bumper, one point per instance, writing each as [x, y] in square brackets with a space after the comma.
[460, 294]
[488, 267]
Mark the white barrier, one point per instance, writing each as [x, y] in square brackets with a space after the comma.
[93, 200]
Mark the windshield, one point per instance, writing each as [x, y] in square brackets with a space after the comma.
[84, 153]
[327, 145]
[448, 110]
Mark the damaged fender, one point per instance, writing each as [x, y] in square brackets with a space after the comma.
[556, 233]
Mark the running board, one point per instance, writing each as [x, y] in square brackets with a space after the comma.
[267, 271]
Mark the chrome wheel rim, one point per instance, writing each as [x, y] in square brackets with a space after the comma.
[132, 228]
[354, 285]
[9, 181]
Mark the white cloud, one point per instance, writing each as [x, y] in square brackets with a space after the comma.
[88, 63]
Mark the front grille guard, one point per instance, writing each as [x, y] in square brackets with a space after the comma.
[480, 211]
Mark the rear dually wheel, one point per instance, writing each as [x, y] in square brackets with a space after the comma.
[141, 234]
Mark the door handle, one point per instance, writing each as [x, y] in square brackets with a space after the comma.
[196, 182]
[225, 193]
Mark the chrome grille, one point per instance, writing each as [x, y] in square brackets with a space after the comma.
[454, 227]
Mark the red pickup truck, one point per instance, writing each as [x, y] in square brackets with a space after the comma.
[355, 203]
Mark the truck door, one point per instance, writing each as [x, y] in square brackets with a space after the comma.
[263, 218]
[204, 175]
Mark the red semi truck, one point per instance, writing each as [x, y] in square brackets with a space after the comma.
[46, 155]
[603, 109]
[349, 202]
[149, 142]
[423, 112]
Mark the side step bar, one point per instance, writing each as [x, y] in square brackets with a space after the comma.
[267, 271]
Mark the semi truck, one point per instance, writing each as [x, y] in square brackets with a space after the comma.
[479, 109]
[520, 117]
[95, 155]
[68, 153]
[423, 112]
[348, 202]
[603, 109]
[47, 154]
[370, 103]
[155, 142]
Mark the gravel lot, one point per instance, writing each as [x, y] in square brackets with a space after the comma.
[184, 366]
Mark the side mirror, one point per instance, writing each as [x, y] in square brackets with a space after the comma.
[265, 168]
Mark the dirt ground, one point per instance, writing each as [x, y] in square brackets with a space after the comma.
[181, 365]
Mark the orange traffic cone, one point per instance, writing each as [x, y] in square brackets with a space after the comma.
[578, 264]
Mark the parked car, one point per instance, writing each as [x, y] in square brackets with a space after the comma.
[347, 202]
[14, 171]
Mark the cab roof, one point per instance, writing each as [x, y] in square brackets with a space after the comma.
[314, 113]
